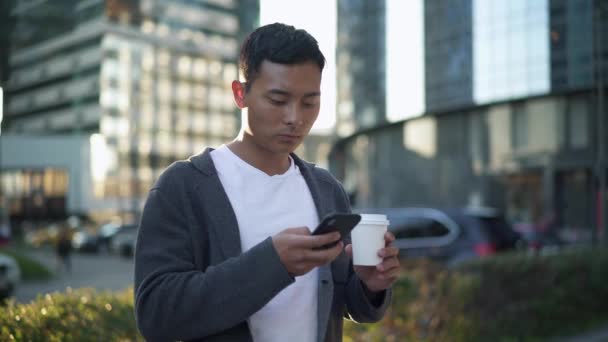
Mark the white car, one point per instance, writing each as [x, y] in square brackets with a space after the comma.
[9, 276]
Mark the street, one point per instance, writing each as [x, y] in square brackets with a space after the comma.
[101, 271]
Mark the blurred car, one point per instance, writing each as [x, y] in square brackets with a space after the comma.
[100, 239]
[85, 240]
[105, 234]
[124, 241]
[538, 239]
[451, 236]
[42, 236]
[9, 276]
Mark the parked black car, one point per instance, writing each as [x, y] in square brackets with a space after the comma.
[85, 240]
[123, 242]
[94, 241]
[451, 236]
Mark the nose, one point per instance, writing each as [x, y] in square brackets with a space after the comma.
[293, 116]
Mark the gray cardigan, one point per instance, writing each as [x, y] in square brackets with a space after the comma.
[193, 282]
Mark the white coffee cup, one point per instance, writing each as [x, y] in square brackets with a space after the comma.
[368, 239]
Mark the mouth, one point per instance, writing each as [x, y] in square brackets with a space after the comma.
[289, 136]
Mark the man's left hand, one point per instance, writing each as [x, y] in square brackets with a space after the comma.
[382, 276]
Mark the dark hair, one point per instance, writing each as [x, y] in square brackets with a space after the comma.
[277, 43]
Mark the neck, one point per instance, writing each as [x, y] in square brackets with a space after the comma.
[269, 162]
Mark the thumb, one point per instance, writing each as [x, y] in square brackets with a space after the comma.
[349, 250]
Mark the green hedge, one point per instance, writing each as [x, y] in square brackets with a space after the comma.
[78, 315]
[506, 298]
[30, 268]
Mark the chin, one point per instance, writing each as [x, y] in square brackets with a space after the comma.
[286, 148]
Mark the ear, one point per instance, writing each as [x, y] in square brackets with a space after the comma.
[238, 91]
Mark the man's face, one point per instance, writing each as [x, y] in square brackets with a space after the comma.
[283, 103]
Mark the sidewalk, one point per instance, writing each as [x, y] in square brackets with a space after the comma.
[100, 271]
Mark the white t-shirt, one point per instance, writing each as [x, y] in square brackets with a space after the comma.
[264, 206]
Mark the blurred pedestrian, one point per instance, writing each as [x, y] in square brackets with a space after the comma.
[63, 248]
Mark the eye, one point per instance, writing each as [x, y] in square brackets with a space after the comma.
[276, 102]
[309, 105]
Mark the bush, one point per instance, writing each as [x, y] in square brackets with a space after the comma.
[509, 297]
[76, 315]
[506, 298]
[30, 269]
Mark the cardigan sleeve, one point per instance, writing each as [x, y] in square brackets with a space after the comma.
[176, 301]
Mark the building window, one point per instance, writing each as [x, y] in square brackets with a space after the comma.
[578, 123]
[184, 65]
[200, 68]
[520, 127]
[215, 69]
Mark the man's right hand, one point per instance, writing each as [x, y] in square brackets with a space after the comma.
[297, 249]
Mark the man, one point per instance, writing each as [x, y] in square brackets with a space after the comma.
[225, 251]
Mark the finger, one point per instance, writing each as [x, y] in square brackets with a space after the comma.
[349, 250]
[388, 265]
[323, 256]
[316, 241]
[388, 252]
[391, 275]
[298, 230]
[389, 237]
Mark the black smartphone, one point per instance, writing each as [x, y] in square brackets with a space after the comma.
[338, 222]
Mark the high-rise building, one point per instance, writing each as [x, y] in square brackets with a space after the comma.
[361, 65]
[515, 117]
[448, 51]
[6, 29]
[148, 80]
[571, 49]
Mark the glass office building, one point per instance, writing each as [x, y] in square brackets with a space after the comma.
[512, 119]
[448, 47]
[361, 65]
[484, 51]
[571, 44]
[510, 49]
[147, 80]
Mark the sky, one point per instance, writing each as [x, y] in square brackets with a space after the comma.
[405, 58]
[318, 17]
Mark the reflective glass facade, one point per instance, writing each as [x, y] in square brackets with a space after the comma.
[149, 80]
[512, 119]
[37, 193]
[571, 44]
[361, 64]
[484, 51]
[448, 53]
[159, 105]
[510, 49]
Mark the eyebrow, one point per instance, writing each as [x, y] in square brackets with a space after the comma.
[286, 93]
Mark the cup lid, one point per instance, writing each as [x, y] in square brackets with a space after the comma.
[374, 218]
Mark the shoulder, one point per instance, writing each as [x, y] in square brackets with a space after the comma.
[324, 175]
[325, 179]
[174, 187]
[319, 174]
[185, 172]
[176, 176]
